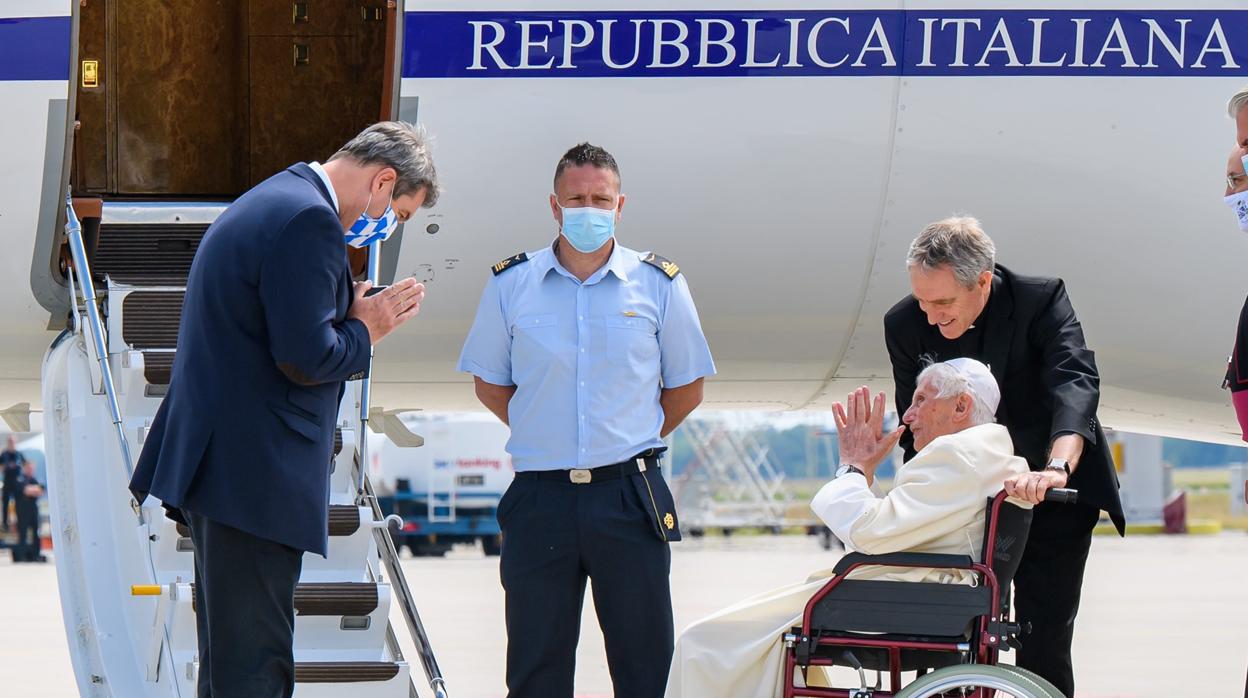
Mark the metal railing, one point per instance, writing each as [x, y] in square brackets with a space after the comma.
[73, 231]
[398, 583]
[381, 534]
[374, 273]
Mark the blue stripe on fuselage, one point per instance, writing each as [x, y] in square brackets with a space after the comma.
[826, 43]
[35, 48]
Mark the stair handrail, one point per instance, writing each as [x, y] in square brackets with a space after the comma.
[385, 544]
[366, 384]
[78, 249]
[407, 604]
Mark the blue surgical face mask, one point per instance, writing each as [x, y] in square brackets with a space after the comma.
[367, 230]
[588, 228]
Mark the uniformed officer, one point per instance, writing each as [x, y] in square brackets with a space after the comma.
[591, 352]
[29, 490]
[11, 461]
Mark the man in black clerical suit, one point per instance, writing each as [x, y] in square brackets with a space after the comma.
[965, 305]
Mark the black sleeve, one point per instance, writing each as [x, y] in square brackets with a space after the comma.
[904, 357]
[1069, 367]
[1237, 373]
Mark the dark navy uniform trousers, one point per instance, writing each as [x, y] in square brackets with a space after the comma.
[613, 532]
[244, 611]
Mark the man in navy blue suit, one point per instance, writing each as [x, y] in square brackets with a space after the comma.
[272, 326]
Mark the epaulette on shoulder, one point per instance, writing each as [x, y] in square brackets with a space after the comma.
[669, 268]
[509, 263]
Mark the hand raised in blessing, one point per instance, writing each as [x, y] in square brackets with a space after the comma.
[859, 431]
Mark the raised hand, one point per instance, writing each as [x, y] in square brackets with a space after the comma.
[859, 431]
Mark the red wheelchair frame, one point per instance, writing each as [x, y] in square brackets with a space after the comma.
[990, 630]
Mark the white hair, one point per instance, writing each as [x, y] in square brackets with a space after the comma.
[949, 382]
[959, 243]
[1238, 103]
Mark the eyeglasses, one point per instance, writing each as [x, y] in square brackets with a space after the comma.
[1231, 179]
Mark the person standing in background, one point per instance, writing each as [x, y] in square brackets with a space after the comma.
[29, 490]
[11, 461]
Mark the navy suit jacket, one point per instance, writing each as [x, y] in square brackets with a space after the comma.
[244, 436]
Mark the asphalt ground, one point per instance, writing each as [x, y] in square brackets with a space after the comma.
[1163, 616]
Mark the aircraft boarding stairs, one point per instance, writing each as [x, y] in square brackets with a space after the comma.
[126, 571]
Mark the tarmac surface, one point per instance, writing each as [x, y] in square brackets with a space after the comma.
[1161, 616]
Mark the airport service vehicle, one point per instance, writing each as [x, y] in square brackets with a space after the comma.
[784, 158]
[446, 491]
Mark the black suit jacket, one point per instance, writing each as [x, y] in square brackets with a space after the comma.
[1049, 384]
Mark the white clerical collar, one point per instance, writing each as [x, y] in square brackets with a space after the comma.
[320, 171]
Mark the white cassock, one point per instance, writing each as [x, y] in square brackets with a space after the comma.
[937, 505]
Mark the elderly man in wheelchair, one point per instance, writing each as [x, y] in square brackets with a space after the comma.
[925, 589]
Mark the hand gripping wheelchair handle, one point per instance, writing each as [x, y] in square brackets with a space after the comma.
[1061, 495]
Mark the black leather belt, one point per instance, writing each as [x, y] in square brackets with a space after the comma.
[584, 476]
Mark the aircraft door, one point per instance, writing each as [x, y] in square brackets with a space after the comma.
[208, 98]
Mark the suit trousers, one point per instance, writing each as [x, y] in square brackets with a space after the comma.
[7, 494]
[244, 611]
[26, 549]
[556, 535]
[1047, 586]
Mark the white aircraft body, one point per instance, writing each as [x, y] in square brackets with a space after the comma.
[784, 158]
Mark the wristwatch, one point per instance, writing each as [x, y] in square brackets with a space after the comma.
[1058, 464]
[846, 469]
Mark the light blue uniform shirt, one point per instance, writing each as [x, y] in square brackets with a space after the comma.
[588, 359]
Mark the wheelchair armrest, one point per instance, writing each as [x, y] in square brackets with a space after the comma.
[904, 560]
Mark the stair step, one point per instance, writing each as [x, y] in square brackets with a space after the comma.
[149, 319]
[344, 672]
[145, 249]
[331, 599]
[344, 519]
[157, 367]
[336, 599]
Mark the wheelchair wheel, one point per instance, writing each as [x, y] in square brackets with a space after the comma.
[959, 680]
[1041, 680]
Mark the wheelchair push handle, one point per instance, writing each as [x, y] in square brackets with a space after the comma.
[1061, 495]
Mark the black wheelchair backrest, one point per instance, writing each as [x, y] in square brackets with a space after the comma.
[1004, 541]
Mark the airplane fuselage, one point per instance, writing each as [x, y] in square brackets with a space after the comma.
[785, 159]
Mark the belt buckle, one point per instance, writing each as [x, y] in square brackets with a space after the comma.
[579, 476]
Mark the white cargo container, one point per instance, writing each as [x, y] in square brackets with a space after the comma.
[466, 449]
[447, 491]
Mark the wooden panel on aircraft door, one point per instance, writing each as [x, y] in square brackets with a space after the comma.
[303, 100]
[90, 159]
[180, 96]
[304, 17]
[315, 78]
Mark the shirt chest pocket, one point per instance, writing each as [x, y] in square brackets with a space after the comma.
[536, 333]
[631, 338]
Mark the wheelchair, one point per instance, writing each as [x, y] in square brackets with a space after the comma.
[949, 634]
